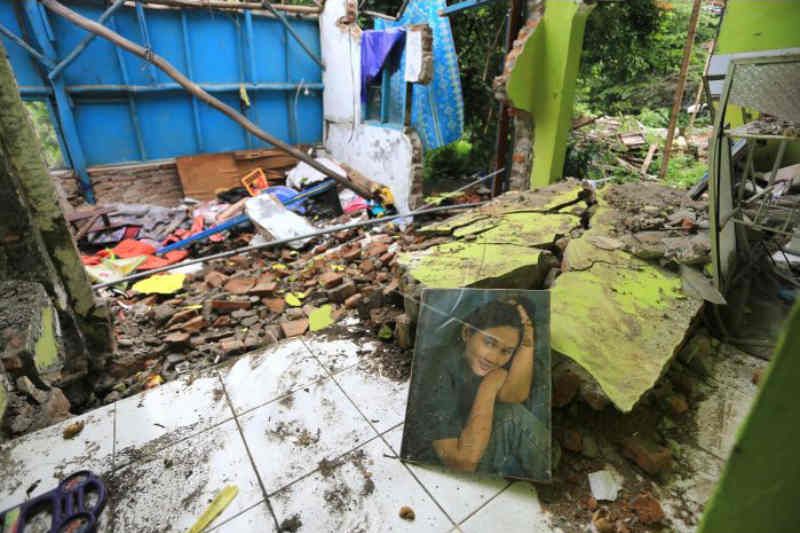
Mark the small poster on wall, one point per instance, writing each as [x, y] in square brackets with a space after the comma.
[480, 384]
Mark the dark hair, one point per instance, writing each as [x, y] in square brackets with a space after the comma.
[499, 313]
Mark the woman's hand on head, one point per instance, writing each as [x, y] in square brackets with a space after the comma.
[527, 325]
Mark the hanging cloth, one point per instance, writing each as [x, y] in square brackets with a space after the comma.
[376, 46]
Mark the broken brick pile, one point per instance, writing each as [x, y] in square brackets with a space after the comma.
[249, 301]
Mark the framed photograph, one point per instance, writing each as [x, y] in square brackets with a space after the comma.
[480, 383]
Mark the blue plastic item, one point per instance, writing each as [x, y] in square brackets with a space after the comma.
[286, 196]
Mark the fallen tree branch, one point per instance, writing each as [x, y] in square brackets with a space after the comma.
[197, 91]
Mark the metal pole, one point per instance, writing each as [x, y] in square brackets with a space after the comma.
[280, 242]
[297, 38]
[28, 48]
[676, 103]
[85, 42]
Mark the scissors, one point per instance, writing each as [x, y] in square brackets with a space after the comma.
[73, 506]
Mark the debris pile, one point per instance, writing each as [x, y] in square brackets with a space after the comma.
[245, 302]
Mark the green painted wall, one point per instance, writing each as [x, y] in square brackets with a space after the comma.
[760, 485]
[543, 83]
[749, 25]
[759, 25]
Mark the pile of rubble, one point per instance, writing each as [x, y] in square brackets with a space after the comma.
[248, 301]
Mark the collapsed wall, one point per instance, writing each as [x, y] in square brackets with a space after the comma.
[50, 324]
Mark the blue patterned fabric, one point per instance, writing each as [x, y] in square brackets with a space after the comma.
[437, 109]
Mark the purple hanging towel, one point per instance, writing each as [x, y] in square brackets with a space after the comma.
[376, 45]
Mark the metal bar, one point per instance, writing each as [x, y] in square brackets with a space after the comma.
[222, 4]
[462, 6]
[140, 16]
[297, 38]
[244, 71]
[131, 102]
[291, 116]
[187, 56]
[25, 46]
[37, 21]
[778, 161]
[81, 46]
[280, 242]
[208, 87]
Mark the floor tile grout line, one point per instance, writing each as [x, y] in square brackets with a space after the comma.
[386, 443]
[249, 453]
[149, 457]
[455, 524]
[237, 515]
[484, 504]
[311, 473]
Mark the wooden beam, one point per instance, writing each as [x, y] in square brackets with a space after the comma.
[197, 91]
[676, 103]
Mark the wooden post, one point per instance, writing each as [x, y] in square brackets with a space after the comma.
[676, 104]
[699, 95]
[501, 146]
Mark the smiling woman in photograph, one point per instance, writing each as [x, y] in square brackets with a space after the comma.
[475, 415]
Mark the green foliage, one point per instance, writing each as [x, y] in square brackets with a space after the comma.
[452, 161]
[51, 152]
[683, 171]
[633, 51]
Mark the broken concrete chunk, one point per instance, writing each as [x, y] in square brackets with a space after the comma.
[30, 341]
[620, 318]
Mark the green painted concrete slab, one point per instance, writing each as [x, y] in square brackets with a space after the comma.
[541, 200]
[469, 264]
[621, 318]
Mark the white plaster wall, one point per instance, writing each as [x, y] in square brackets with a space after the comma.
[384, 155]
[341, 53]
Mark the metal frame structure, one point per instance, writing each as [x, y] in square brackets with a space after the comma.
[730, 208]
[52, 78]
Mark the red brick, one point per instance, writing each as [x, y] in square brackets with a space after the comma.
[225, 306]
[328, 280]
[239, 285]
[293, 328]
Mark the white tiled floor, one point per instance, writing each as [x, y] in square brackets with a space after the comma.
[264, 424]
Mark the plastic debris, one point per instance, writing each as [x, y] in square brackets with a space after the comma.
[270, 216]
[293, 300]
[164, 284]
[321, 318]
[217, 506]
[605, 485]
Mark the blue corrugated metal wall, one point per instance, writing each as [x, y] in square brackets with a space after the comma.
[110, 106]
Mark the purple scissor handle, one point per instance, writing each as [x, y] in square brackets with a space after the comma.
[74, 505]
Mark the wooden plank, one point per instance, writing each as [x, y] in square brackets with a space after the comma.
[649, 159]
[202, 175]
